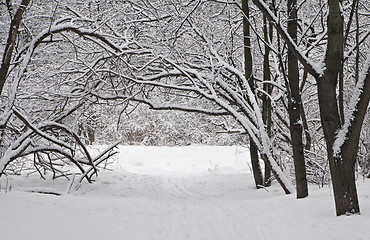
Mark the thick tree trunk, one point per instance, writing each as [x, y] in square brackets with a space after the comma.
[343, 177]
[344, 187]
[345, 153]
[342, 163]
[294, 105]
[343, 160]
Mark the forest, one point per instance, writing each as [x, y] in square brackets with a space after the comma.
[288, 79]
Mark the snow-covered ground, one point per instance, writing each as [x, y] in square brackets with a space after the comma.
[175, 193]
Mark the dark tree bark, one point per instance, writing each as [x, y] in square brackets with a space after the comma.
[267, 87]
[343, 178]
[8, 51]
[294, 107]
[256, 168]
[10, 44]
[354, 8]
[341, 157]
[342, 161]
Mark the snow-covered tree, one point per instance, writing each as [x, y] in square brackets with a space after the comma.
[341, 137]
[193, 69]
[38, 100]
[88, 64]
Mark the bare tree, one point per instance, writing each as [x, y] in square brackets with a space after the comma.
[209, 57]
[32, 121]
[342, 139]
[202, 79]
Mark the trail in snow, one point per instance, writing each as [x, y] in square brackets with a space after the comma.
[195, 193]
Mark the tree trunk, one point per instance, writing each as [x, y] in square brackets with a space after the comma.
[257, 173]
[10, 44]
[267, 87]
[342, 167]
[256, 168]
[8, 52]
[344, 187]
[344, 139]
[294, 105]
[341, 164]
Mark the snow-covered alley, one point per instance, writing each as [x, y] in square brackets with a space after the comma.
[176, 193]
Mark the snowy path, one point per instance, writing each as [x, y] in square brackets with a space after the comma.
[159, 198]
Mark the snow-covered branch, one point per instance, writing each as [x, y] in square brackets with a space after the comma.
[157, 106]
[358, 106]
[313, 68]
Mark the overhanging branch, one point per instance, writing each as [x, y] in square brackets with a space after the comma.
[315, 70]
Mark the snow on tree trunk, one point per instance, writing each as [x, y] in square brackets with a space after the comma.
[341, 141]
